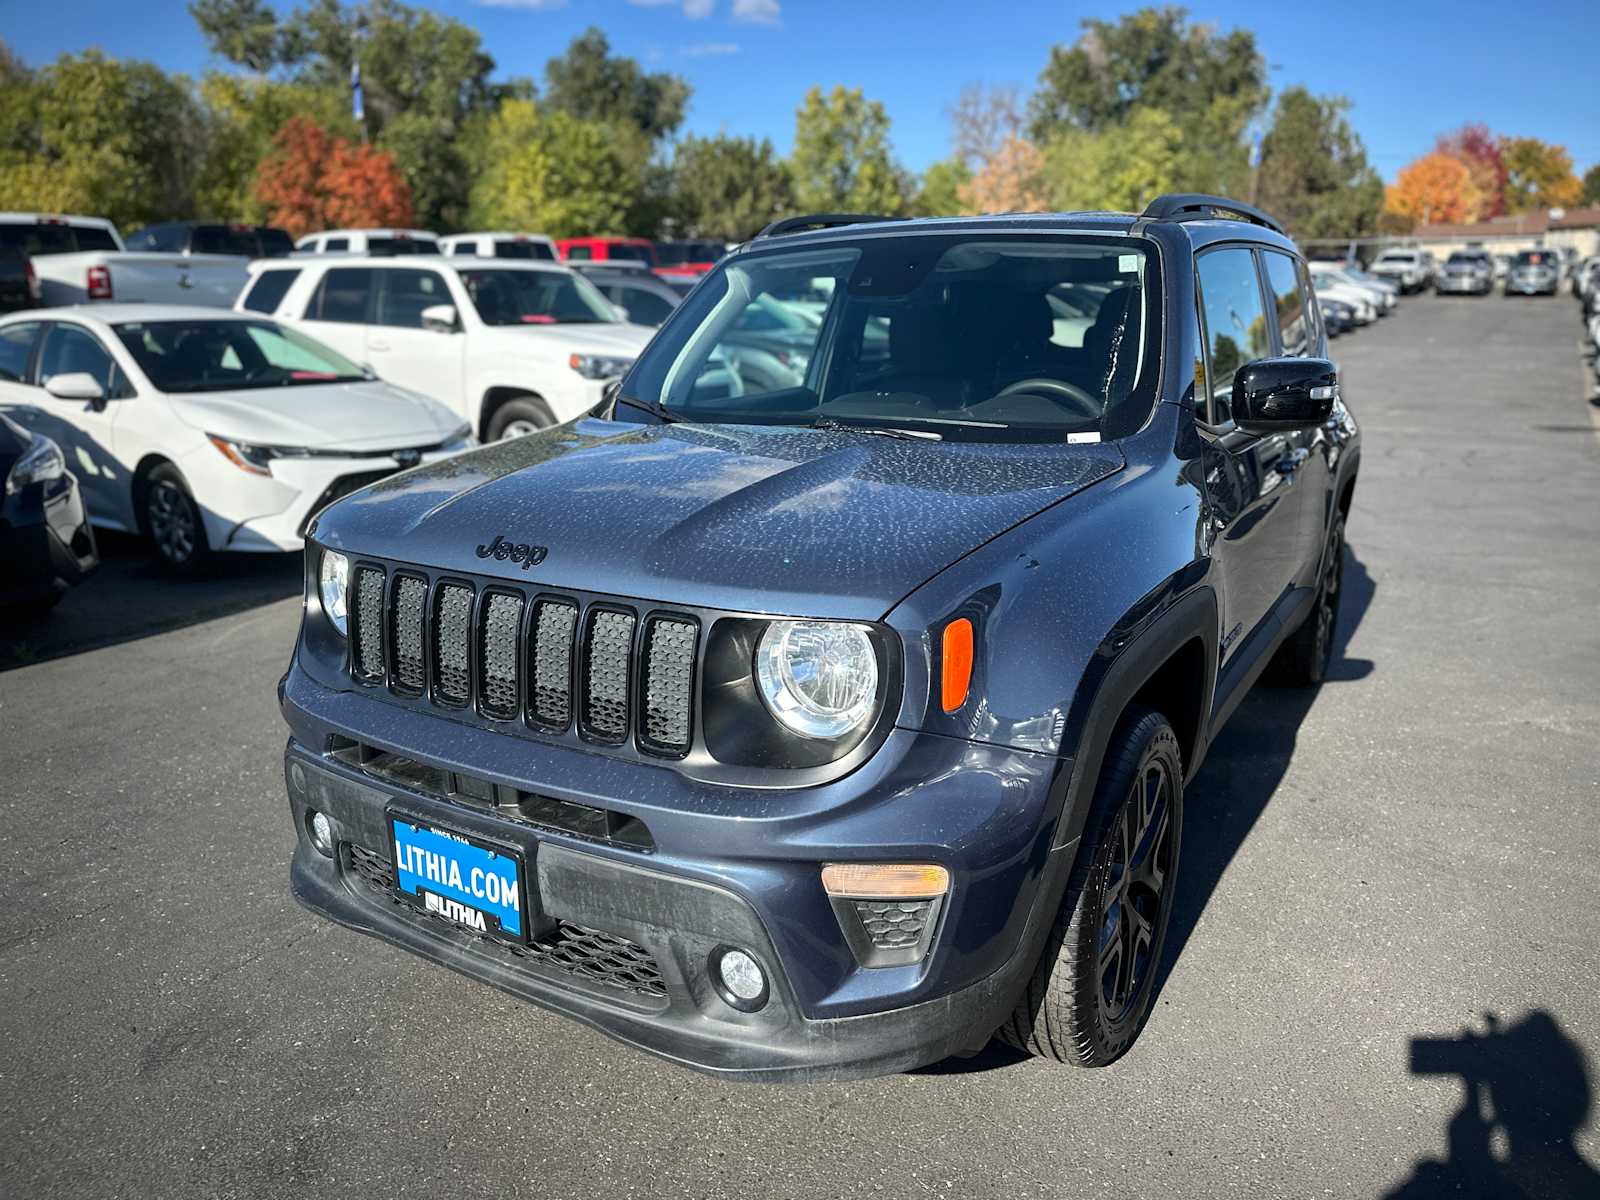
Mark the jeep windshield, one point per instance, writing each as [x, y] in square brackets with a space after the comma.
[226, 356]
[964, 337]
[523, 297]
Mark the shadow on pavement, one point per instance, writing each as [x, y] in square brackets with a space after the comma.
[1242, 771]
[131, 596]
[1527, 1093]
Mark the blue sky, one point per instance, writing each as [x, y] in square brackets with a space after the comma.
[1413, 68]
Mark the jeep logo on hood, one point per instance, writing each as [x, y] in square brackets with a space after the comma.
[517, 552]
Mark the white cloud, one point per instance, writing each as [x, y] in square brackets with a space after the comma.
[756, 12]
[695, 10]
[709, 49]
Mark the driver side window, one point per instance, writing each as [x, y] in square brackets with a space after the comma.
[1235, 320]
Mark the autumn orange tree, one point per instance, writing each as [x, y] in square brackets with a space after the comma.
[1479, 151]
[1435, 188]
[312, 180]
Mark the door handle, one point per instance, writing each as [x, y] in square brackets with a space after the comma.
[377, 345]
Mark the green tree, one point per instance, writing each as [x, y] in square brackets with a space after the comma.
[242, 31]
[96, 135]
[1314, 175]
[1591, 185]
[728, 187]
[1121, 167]
[1538, 175]
[592, 84]
[1211, 85]
[549, 172]
[841, 159]
[242, 117]
[940, 193]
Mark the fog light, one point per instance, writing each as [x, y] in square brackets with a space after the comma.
[743, 983]
[321, 831]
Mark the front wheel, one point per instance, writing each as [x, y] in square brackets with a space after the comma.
[1091, 990]
[172, 519]
[518, 418]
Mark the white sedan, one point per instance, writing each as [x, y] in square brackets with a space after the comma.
[206, 430]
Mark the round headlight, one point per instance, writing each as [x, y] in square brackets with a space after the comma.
[335, 579]
[819, 678]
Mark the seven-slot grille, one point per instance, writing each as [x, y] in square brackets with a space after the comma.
[546, 660]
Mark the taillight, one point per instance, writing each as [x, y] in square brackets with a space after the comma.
[99, 279]
[32, 276]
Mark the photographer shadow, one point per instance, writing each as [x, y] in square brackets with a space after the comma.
[1527, 1094]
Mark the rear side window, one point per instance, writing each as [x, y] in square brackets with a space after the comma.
[344, 295]
[644, 306]
[407, 293]
[1235, 321]
[468, 248]
[535, 251]
[333, 244]
[269, 290]
[580, 253]
[1294, 323]
[16, 347]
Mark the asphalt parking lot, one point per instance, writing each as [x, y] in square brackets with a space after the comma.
[1412, 852]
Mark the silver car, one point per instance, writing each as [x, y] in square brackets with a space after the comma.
[1466, 273]
[1535, 273]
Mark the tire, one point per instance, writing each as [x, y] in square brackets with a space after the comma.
[518, 418]
[172, 521]
[1088, 997]
[1303, 660]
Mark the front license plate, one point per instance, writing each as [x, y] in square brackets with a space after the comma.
[459, 878]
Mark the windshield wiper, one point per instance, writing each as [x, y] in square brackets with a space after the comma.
[655, 410]
[834, 425]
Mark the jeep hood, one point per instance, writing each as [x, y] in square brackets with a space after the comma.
[756, 518]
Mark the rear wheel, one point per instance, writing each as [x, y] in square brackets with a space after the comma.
[1304, 659]
[1091, 990]
[172, 520]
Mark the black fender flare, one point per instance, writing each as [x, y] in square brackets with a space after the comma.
[1130, 655]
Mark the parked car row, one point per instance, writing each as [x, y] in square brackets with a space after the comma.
[1475, 271]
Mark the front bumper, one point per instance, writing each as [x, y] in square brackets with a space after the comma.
[1531, 287]
[725, 867]
[1466, 285]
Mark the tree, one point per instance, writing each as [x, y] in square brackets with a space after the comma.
[982, 120]
[313, 180]
[1122, 167]
[1591, 185]
[1011, 181]
[1538, 175]
[1479, 152]
[940, 193]
[242, 117]
[241, 31]
[1314, 175]
[592, 84]
[1212, 86]
[841, 159]
[727, 187]
[1436, 188]
[550, 172]
[93, 134]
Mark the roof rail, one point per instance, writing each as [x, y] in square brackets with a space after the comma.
[1179, 206]
[820, 221]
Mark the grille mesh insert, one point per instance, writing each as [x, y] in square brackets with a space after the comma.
[590, 954]
[405, 632]
[605, 701]
[452, 679]
[892, 925]
[550, 692]
[369, 623]
[668, 677]
[498, 633]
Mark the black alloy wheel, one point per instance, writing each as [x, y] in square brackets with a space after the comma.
[172, 519]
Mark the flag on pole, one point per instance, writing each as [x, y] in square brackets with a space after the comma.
[355, 90]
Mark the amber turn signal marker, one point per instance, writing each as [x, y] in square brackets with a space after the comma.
[957, 664]
[885, 881]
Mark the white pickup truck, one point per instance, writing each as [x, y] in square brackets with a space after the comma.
[82, 259]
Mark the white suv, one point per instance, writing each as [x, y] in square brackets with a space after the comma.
[533, 246]
[369, 241]
[511, 346]
[1411, 269]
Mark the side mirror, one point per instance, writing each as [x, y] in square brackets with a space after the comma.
[1279, 395]
[77, 385]
[441, 318]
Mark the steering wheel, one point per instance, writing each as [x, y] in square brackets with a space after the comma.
[1068, 395]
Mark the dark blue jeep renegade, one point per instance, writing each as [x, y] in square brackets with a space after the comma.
[822, 704]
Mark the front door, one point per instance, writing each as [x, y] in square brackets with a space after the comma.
[84, 430]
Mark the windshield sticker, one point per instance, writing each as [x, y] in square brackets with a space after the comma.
[1128, 264]
[1082, 439]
